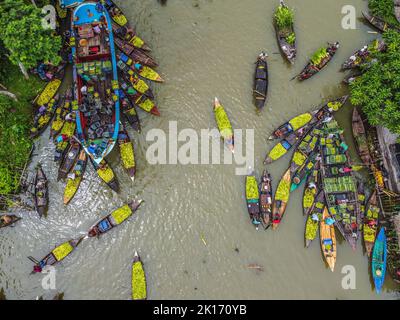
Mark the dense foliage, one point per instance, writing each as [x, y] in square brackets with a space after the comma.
[378, 89]
[284, 17]
[23, 35]
[383, 9]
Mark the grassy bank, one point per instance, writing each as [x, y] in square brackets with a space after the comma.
[15, 122]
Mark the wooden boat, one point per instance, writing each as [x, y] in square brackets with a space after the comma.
[48, 93]
[379, 23]
[67, 130]
[311, 189]
[253, 200]
[43, 117]
[41, 193]
[314, 216]
[142, 101]
[74, 180]
[96, 80]
[129, 113]
[142, 70]
[313, 67]
[339, 183]
[292, 125]
[224, 125]
[127, 152]
[397, 9]
[328, 240]
[360, 138]
[378, 263]
[371, 220]
[260, 88]
[69, 159]
[139, 287]
[304, 171]
[266, 199]
[128, 34]
[286, 39]
[106, 174]
[138, 56]
[7, 220]
[138, 84]
[281, 199]
[363, 56]
[56, 255]
[114, 219]
[61, 112]
[362, 201]
[281, 148]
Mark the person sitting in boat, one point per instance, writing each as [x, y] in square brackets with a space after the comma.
[346, 169]
[329, 221]
[61, 138]
[84, 90]
[70, 117]
[92, 148]
[378, 271]
[314, 217]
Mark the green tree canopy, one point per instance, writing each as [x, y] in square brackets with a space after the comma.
[23, 35]
[377, 91]
[383, 9]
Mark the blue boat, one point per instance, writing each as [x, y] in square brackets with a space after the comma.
[96, 89]
[379, 261]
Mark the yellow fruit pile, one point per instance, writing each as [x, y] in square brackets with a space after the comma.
[138, 282]
[277, 151]
[106, 174]
[308, 199]
[127, 155]
[311, 228]
[224, 125]
[140, 85]
[299, 158]
[62, 251]
[251, 188]
[121, 214]
[71, 187]
[149, 73]
[146, 105]
[283, 191]
[300, 121]
[48, 92]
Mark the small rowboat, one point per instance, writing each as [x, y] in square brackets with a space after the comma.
[140, 100]
[127, 152]
[139, 287]
[397, 9]
[138, 84]
[224, 125]
[106, 174]
[69, 159]
[68, 130]
[74, 180]
[379, 23]
[138, 56]
[260, 88]
[7, 220]
[114, 219]
[129, 113]
[328, 240]
[378, 264]
[143, 71]
[363, 56]
[281, 199]
[129, 35]
[48, 93]
[56, 255]
[61, 112]
[311, 189]
[304, 171]
[41, 193]
[266, 199]
[371, 220]
[360, 138]
[286, 39]
[253, 200]
[292, 125]
[314, 216]
[313, 67]
[43, 118]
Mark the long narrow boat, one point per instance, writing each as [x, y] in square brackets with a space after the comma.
[282, 147]
[224, 125]
[63, 109]
[67, 131]
[260, 87]
[96, 80]
[142, 101]
[139, 287]
[253, 200]
[314, 216]
[362, 201]
[285, 35]
[312, 188]
[7, 220]
[56, 255]
[74, 180]
[129, 113]
[136, 55]
[379, 23]
[371, 220]
[144, 71]
[265, 189]
[127, 152]
[397, 9]
[378, 264]
[41, 192]
[328, 240]
[106, 174]
[360, 138]
[316, 65]
[69, 159]
[363, 56]
[304, 171]
[114, 219]
[281, 199]
[138, 84]
[43, 117]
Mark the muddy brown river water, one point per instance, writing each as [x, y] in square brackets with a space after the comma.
[205, 48]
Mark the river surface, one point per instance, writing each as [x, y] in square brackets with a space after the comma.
[193, 231]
